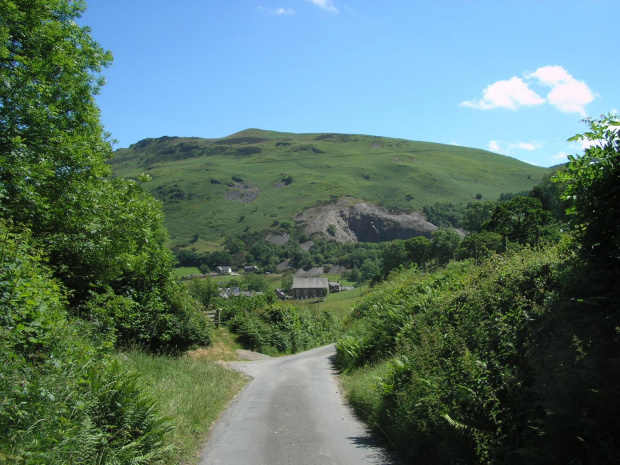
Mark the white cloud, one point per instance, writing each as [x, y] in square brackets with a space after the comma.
[525, 146]
[567, 93]
[495, 147]
[506, 148]
[324, 4]
[587, 143]
[284, 11]
[560, 157]
[277, 11]
[511, 94]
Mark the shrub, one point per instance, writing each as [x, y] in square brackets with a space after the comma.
[458, 387]
[281, 328]
[62, 398]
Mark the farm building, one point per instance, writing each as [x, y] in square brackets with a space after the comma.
[309, 288]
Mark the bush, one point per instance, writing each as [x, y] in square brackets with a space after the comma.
[457, 344]
[281, 328]
[591, 182]
[63, 399]
[172, 323]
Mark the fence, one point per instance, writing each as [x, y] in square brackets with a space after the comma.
[215, 316]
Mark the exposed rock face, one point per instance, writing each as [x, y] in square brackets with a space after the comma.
[347, 221]
[278, 239]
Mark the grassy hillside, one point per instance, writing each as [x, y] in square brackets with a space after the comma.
[251, 179]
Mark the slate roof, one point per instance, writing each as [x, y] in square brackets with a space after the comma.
[310, 283]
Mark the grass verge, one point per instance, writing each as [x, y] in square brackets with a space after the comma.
[192, 391]
[361, 389]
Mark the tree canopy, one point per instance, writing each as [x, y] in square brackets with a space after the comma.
[103, 237]
[593, 189]
[518, 218]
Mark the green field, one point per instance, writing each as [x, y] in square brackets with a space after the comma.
[252, 180]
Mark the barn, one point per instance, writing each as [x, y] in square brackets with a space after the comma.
[309, 288]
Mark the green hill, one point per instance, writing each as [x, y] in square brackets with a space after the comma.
[252, 179]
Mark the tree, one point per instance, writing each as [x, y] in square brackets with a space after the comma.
[592, 186]
[518, 218]
[217, 258]
[369, 269]
[445, 243]
[254, 282]
[103, 237]
[476, 214]
[52, 144]
[418, 250]
[394, 256]
[480, 244]
[287, 282]
[235, 245]
[549, 191]
[53, 174]
[355, 275]
[203, 290]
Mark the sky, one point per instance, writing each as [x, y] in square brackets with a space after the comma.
[516, 77]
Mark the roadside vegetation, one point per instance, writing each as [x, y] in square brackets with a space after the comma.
[85, 271]
[513, 357]
[191, 392]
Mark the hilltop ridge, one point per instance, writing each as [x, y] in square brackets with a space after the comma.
[257, 179]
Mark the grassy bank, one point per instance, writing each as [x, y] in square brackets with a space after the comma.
[443, 365]
[192, 391]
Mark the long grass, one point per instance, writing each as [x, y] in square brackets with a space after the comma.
[192, 391]
[361, 390]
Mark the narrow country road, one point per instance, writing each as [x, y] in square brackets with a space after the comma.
[292, 412]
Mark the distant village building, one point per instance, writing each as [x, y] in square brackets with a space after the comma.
[250, 269]
[223, 270]
[281, 294]
[231, 292]
[309, 288]
[334, 286]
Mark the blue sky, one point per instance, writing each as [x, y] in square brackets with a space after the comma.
[513, 77]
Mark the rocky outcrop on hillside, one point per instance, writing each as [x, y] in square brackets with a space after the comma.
[349, 221]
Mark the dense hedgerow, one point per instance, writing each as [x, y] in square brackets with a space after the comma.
[459, 377]
[283, 328]
[513, 360]
[63, 399]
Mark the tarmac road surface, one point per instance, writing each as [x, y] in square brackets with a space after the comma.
[292, 412]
